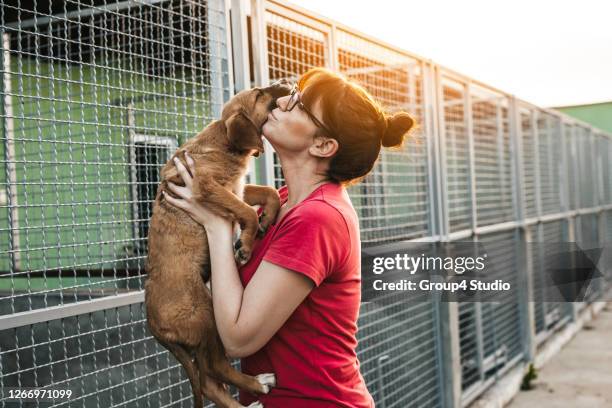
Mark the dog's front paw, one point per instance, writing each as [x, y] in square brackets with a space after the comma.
[241, 254]
[263, 225]
[261, 231]
[267, 381]
[256, 404]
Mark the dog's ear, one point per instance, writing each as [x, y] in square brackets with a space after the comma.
[242, 133]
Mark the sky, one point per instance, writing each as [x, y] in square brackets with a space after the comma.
[550, 53]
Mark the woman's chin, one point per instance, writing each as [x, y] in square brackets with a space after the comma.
[267, 133]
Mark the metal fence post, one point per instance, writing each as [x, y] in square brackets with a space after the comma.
[599, 201]
[469, 128]
[448, 312]
[332, 50]
[527, 295]
[430, 114]
[594, 155]
[260, 68]
[536, 162]
[601, 237]
[563, 174]
[609, 169]
[580, 201]
[240, 46]
[577, 167]
[240, 59]
[524, 260]
[571, 237]
[442, 213]
[517, 165]
[9, 154]
[529, 276]
[379, 380]
[566, 200]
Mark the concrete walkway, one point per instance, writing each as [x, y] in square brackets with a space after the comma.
[580, 376]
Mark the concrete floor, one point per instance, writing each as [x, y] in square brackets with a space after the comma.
[580, 376]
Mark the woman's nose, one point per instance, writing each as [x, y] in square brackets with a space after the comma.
[282, 102]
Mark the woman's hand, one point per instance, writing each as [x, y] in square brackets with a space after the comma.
[187, 202]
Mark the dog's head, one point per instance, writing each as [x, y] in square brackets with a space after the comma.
[245, 114]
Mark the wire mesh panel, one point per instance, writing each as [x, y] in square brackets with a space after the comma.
[584, 141]
[293, 49]
[397, 350]
[604, 166]
[556, 312]
[589, 241]
[606, 263]
[501, 335]
[99, 96]
[548, 315]
[538, 287]
[96, 96]
[392, 200]
[607, 168]
[572, 172]
[457, 156]
[395, 80]
[492, 157]
[106, 358]
[469, 345]
[550, 163]
[490, 332]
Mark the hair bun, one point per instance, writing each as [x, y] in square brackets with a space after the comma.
[398, 125]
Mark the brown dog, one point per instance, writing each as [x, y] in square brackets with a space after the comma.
[179, 305]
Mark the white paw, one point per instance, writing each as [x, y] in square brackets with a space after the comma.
[256, 404]
[267, 380]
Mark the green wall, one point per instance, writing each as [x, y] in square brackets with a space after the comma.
[597, 114]
[72, 150]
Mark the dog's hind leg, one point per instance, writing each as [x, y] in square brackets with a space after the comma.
[192, 371]
[222, 370]
[210, 387]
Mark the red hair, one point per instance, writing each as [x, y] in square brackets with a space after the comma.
[358, 122]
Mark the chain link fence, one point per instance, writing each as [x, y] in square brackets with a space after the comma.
[96, 96]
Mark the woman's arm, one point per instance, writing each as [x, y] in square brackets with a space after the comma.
[248, 317]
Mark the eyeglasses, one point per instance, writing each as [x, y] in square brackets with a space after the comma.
[295, 99]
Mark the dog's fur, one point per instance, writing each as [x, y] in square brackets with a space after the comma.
[179, 304]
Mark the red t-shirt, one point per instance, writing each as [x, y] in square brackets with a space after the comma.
[313, 353]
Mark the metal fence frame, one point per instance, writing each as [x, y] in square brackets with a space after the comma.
[426, 353]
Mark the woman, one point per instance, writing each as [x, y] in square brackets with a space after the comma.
[292, 309]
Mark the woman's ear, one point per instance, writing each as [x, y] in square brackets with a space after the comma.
[324, 146]
[242, 134]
